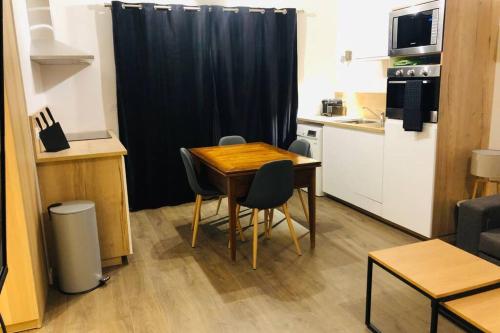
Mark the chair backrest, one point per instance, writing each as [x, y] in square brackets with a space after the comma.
[300, 147]
[231, 140]
[272, 185]
[190, 171]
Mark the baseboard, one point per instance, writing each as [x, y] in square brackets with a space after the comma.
[378, 218]
[27, 325]
[111, 262]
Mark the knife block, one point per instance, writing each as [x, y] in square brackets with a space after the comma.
[52, 137]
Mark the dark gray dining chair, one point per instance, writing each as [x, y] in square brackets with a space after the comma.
[300, 147]
[303, 148]
[227, 141]
[200, 191]
[271, 187]
[231, 140]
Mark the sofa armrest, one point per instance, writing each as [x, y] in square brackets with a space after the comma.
[474, 217]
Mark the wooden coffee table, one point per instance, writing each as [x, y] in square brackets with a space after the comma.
[480, 312]
[436, 269]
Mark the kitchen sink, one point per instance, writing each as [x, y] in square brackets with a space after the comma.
[376, 124]
[373, 123]
[363, 121]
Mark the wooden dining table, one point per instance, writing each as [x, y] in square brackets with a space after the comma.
[231, 169]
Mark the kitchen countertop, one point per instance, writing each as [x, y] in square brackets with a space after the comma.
[84, 149]
[340, 121]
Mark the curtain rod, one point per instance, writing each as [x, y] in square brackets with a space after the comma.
[197, 8]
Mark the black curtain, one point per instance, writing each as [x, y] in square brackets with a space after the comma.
[255, 68]
[186, 78]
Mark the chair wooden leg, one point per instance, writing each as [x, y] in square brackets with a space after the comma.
[266, 222]
[486, 187]
[271, 215]
[196, 221]
[304, 207]
[476, 188]
[292, 230]
[218, 205]
[255, 220]
[480, 187]
[495, 187]
[251, 219]
[238, 223]
[195, 210]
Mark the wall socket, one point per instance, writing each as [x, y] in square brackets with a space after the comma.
[347, 57]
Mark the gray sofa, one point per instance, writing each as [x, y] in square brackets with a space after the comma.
[478, 227]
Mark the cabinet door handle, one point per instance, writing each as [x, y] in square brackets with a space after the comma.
[404, 82]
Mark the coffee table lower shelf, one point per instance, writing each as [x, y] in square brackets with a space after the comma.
[462, 323]
[436, 308]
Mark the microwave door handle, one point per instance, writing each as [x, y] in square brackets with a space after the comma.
[404, 82]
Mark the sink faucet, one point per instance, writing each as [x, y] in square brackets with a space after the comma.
[380, 116]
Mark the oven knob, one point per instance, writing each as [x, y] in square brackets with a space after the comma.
[399, 72]
[411, 72]
[424, 72]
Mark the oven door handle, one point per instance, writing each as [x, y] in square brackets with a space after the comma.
[404, 82]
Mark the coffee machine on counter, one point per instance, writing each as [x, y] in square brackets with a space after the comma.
[333, 107]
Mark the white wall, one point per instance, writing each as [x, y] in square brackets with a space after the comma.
[73, 92]
[76, 93]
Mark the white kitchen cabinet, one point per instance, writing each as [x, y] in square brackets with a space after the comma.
[371, 34]
[363, 27]
[353, 166]
[409, 172]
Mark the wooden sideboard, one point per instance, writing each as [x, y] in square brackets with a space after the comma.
[90, 170]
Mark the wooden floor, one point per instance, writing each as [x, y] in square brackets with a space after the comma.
[170, 287]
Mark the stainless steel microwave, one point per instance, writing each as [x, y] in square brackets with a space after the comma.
[417, 29]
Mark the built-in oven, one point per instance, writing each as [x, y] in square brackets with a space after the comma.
[424, 89]
[417, 29]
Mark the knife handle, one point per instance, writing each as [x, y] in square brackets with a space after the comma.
[39, 123]
[44, 119]
[50, 115]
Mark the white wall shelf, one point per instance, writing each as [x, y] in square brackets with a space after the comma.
[52, 52]
[380, 58]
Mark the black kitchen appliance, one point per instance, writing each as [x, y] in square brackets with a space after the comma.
[417, 29]
[333, 107]
[413, 90]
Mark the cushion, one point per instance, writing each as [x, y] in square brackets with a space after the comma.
[489, 242]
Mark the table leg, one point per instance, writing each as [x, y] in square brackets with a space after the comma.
[2, 324]
[311, 198]
[231, 203]
[368, 310]
[434, 316]
[369, 277]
